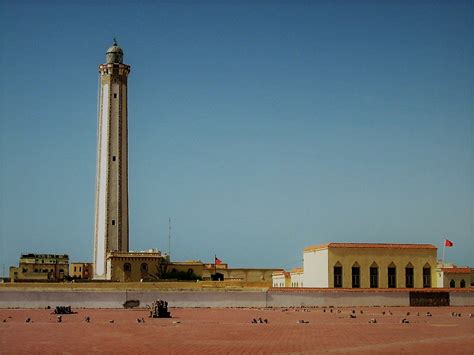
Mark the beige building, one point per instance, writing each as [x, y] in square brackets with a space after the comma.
[239, 274]
[135, 266]
[451, 276]
[82, 271]
[40, 267]
[370, 265]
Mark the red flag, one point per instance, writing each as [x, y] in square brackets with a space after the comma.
[217, 261]
[448, 243]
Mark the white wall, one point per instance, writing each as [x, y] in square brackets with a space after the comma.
[297, 279]
[278, 280]
[439, 279]
[315, 265]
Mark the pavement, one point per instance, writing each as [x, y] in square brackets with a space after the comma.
[232, 330]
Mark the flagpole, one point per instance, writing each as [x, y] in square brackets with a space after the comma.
[215, 266]
[444, 249]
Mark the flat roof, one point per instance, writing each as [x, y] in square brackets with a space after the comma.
[456, 270]
[297, 270]
[369, 246]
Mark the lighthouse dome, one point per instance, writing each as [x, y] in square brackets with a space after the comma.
[114, 54]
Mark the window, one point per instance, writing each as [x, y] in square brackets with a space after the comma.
[337, 276]
[74, 269]
[452, 284]
[115, 95]
[24, 270]
[127, 267]
[409, 277]
[374, 277]
[80, 268]
[144, 267]
[392, 276]
[355, 276]
[114, 158]
[113, 222]
[462, 284]
[426, 276]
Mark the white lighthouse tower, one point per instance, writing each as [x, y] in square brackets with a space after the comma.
[111, 199]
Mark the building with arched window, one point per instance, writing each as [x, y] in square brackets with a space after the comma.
[134, 266]
[370, 265]
[452, 276]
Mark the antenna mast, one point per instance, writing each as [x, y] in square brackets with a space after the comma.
[169, 238]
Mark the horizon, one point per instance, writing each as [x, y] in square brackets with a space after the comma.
[259, 128]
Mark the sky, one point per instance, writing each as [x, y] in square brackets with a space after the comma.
[258, 127]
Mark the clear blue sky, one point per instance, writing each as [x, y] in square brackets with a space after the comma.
[259, 127]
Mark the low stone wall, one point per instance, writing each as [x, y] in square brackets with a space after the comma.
[327, 298]
[461, 298]
[224, 298]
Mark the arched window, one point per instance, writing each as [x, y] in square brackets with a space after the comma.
[355, 275]
[374, 275]
[427, 275]
[144, 267]
[338, 275]
[462, 284]
[392, 275]
[127, 267]
[452, 283]
[409, 276]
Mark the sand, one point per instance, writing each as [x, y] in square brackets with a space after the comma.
[220, 331]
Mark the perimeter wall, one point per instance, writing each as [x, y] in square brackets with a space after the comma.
[12, 298]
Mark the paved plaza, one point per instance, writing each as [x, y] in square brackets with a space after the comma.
[435, 330]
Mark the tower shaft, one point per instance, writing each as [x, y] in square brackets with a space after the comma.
[111, 203]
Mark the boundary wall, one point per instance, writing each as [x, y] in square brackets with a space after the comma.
[10, 298]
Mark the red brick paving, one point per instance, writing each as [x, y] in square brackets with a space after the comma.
[219, 331]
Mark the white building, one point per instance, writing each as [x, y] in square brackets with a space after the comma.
[111, 202]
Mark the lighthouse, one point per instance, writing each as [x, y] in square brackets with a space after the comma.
[111, 195]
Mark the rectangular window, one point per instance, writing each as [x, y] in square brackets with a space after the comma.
[392, 277]
[113, 222]
[337, 276]
[114, 158]
[409, 277]
[374, 277]
[74, 269]
[115, 95]
[355, 277]
[426, 277]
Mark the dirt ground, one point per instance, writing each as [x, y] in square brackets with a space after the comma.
[220, 331]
